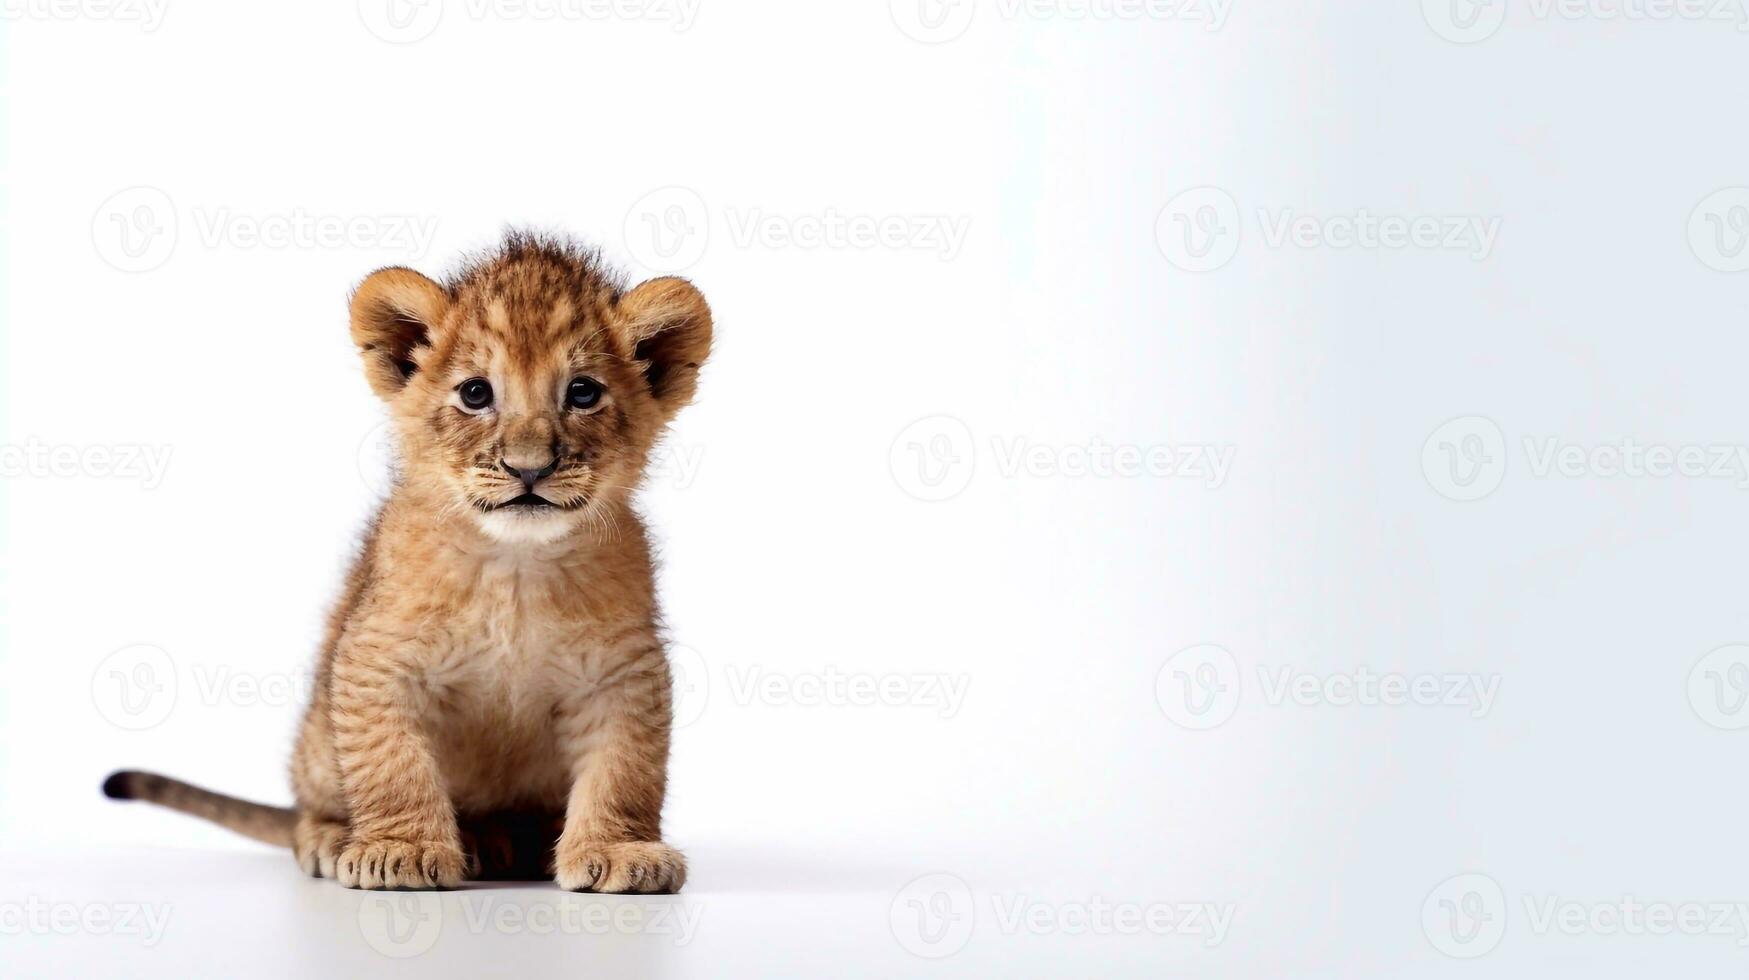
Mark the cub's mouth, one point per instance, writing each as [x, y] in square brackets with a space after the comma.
[527, 503]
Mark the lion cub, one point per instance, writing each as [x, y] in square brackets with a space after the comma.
[492, 697]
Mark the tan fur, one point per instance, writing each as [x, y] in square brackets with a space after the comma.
[493, 695]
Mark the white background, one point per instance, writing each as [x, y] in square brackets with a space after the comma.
[1076, 772]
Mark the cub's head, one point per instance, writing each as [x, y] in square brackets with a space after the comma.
[528, 389]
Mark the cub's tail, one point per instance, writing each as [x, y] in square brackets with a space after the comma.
[267, 824]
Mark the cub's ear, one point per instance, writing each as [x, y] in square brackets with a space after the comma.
[668, 326]
[394, 311]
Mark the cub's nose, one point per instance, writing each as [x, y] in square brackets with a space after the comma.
[529, 476]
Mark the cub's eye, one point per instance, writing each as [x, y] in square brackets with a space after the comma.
[583, 393]
[476, 393]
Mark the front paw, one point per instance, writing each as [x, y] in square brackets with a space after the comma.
[388, 863]
[632, 866]
[316, 843]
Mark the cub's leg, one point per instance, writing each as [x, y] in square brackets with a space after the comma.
[316, 843]
[617, 739]
[404, 832]
[322, 828]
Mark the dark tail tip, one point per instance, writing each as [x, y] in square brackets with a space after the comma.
[119, 785]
